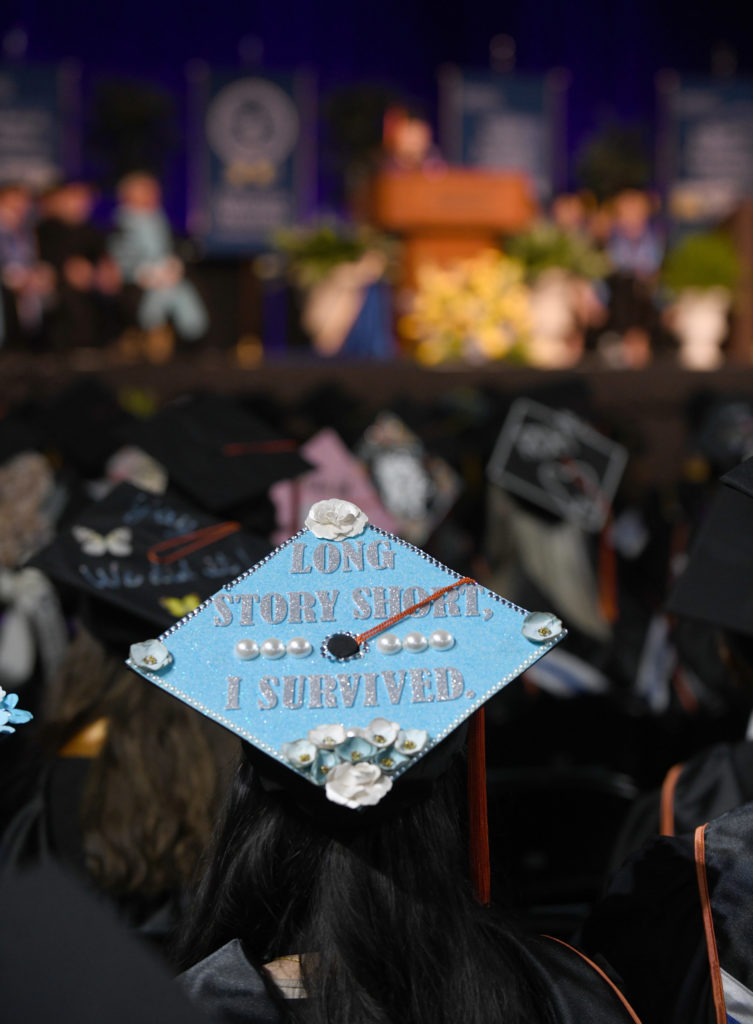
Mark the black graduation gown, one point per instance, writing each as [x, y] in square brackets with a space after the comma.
[231, 991]
[713, 782]
[677, 925]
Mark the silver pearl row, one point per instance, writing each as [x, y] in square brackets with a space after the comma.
[414, 643]
[248, 649]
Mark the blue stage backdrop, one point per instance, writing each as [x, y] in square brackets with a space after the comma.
[707, 147]
[39, 129]
[252, 157]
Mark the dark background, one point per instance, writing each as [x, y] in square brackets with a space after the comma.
[613, 49]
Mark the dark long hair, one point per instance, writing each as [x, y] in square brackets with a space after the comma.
[146, 810]
[383, 906]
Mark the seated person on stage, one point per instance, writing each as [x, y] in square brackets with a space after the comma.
[25, 283]
[350, 663]
[143, 248]
[87, 281]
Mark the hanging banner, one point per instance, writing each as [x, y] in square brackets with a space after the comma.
[39, 129]
[253, 157]
[706, 146]
[505, 122]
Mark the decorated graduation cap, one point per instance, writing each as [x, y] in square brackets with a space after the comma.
[333, 463]
[217, 453]
[147, 557]
[715, 586]
[346, 655]
[554, 459]
[417, 488]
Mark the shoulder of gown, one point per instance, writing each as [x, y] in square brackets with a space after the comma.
[229, 989]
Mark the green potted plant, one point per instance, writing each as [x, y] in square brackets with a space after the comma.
[700, 275]
[338, 268]
[561, 268]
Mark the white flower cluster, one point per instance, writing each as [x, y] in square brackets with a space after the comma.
[335, 519]
[355, 765]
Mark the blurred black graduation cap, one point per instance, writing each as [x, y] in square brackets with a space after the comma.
[716, 584]
[216, 452]
[64, 957]
[19, 432]
[86, 423]
[139, 561]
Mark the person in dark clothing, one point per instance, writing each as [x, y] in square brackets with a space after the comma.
[675, 923]
[338, 888]
[714, 592]
[83, 312]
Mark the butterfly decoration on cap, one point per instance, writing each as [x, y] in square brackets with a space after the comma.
[118, 542]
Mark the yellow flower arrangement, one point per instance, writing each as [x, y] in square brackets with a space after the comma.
[475, 310]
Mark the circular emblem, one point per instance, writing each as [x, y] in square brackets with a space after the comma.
[252, 120]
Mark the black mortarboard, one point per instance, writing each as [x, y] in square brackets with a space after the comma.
[557, 461]
[136, 555]
[18, 433]
[715, 586]
[86, 423]
[65, 957]
[217, 453]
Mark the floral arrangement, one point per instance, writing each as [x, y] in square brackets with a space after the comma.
[475, 310]
[546, 246]
[10, 714]
[706, 259]
[355, 765]
[313, 251]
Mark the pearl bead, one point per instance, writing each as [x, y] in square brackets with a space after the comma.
[299, 647]
[273, 648]
[388, 644]
[415, 643]
[441, 640]
[247, 649]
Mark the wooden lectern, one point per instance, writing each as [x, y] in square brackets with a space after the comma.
[450, 213]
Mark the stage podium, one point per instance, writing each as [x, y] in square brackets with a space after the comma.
[449, 213]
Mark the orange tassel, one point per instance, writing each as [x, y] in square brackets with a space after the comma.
[608, 575]
[478, 820]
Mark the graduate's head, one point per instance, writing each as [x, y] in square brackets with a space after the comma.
[351, 663]
[136, 561]
[714, 587]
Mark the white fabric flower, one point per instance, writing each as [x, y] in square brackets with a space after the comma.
[357, 785]
[151, 655]
[301, 753]
[411, 741]
[541, 626]
[335, 519]
[327, 735]
[381, 733]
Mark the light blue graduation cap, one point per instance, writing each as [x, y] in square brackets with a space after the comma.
[346, 654]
